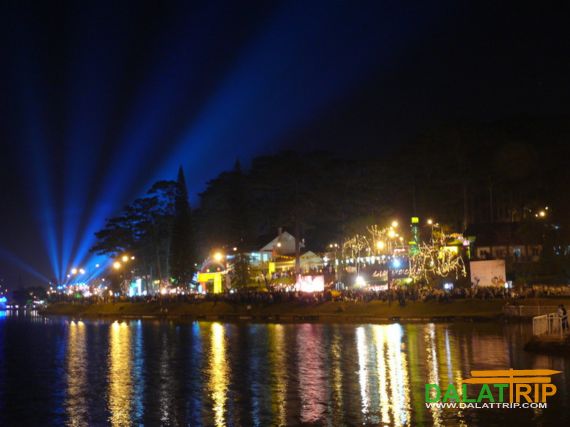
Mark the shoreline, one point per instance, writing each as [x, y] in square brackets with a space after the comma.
[295, 312]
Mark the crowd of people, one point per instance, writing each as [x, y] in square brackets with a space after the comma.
[400, 295]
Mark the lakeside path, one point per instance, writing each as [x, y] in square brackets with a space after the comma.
[374, 311]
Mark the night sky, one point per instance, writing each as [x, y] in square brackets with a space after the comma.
[100, 99]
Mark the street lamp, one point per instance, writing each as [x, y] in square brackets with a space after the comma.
[74, 270]
[125, 258]
[395, 224]
[218, 256]
[116, 265]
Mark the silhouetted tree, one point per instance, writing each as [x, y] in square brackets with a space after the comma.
[143, 229]
[182, 254]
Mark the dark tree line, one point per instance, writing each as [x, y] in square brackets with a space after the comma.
[458, 174]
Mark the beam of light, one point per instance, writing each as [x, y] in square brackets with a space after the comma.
[41, 184]
[165, 87]
[286, 77]
[168, 85]
[95, 68]
[34, 156]
[13, 259]
[280, 80]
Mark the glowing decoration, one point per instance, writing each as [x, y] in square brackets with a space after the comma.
[435, 259]
[204, 278]
[310, 284]
[395, 224]
[355, 246]
[360, 281]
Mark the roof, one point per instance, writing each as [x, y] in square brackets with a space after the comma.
[285, 239]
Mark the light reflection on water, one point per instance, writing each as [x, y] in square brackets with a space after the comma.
[162, 373]
[120, 376]
[278, 369]
[76, 403]
[218, 383]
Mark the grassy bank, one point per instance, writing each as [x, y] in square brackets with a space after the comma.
[332, 311]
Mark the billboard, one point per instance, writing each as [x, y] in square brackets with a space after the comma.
[488, 272]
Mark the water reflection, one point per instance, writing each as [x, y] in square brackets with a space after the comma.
[219, 375]
[278, 362]
[76, 361]
[383, 375]
[312, 380]
[120, 379]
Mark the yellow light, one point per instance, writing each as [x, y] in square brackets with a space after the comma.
[279, 244]
[218, 256]
[395, 224]
[430, 221]
[391, 234]
[81, 271]
[74, 270]
[116, 265]
[125, 258]
[133, 257]
[542, 214]
[380, 245]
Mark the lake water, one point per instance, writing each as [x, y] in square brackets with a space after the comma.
[54, 371]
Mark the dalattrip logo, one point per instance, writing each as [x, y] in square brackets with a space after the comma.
[508, 388]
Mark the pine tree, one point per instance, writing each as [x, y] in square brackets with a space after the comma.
[182, 257]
